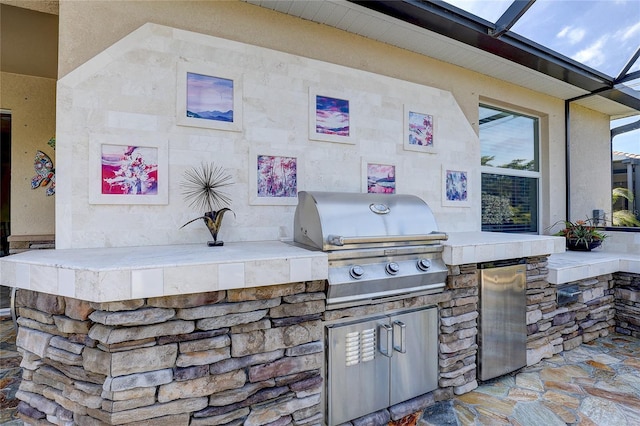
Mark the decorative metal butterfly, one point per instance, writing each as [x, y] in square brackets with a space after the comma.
[45, 173]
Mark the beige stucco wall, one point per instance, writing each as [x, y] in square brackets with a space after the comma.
[32, 102]
[590, 157]
[83, 35]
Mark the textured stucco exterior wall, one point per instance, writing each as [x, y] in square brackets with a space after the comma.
[590, 156]
[32, 102]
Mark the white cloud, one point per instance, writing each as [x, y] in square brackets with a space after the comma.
[574, 35]
[632, 31]
[592, 55]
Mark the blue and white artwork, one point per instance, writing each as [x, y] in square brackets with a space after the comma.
[209, 98]
[456, 186]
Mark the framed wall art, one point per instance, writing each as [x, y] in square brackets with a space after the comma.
[208, 97]
[128, 172]
[455, 187]
[274, 177]
[418, 130]
[378, 177]
[330, 117]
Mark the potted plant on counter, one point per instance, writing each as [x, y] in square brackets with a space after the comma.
[581, 235]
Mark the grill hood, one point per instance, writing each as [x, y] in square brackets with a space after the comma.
[338, 221]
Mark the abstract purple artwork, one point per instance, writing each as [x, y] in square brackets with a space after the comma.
[131, 170]
[456, 185]
[277, 176]
[209, 98]
[332, 116]
[381, 178]
[420, 129]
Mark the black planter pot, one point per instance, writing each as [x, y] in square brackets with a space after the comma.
[573, 245]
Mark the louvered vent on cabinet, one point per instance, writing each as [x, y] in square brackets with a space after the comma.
[360, 346]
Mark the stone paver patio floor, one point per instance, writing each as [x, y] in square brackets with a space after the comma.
[595, 384]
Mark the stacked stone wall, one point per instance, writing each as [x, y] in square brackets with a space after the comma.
[250, 357]
[552, 328]
[627, 303]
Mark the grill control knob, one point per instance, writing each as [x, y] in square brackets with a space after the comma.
[424, 264]
[392, 268]
[356, 272]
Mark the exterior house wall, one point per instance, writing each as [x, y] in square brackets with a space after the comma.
[31, 101]
[255, 26]
[129, 95]
[590, 157]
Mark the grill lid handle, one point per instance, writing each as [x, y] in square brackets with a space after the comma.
[338, 240]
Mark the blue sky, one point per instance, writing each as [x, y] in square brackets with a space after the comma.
[627, 142]
[602, 34]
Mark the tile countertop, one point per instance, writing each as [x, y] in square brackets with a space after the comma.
[110, 274]
[123, 273]
[475, 247]
[578, 265]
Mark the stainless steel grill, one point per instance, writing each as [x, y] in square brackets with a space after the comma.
[379, 245]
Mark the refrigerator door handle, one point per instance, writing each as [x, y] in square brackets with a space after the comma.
[386, 343]
[399, 325]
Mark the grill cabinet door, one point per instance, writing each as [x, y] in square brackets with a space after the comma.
[358, 381]
[414, 372]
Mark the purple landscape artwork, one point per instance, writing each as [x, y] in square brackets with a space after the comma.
[277, 176]
[420, 129]
[332, 116]
[209, 98]
[381, 178]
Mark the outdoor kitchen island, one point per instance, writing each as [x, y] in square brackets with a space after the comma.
[195, 335]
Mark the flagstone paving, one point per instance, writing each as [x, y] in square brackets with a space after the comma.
[596, 384]
[9, 373]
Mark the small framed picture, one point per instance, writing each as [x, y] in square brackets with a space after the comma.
[208, 98]
[455, 187]
[330, 117]
[274, 177]
[378, 177]
[419, 130]
[128, 172]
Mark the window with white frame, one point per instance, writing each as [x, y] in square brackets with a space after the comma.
[510, 166]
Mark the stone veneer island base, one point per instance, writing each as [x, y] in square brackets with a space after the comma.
[247, 356]
[255, 355]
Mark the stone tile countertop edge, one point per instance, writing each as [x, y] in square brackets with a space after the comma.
[476, 247]
[573, 266]
[123, 273]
